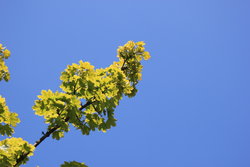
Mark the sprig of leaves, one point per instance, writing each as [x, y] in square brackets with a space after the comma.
[88, 100]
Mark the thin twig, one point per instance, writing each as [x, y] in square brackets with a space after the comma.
[45, 135]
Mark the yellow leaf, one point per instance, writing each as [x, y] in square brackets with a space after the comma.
[140, 43]
[6, 53]
[146, 55]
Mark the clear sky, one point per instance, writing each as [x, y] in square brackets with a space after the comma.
[193, 104]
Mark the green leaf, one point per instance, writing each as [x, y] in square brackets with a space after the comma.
[8, 119]
[57, 135]
[73, 164]
[11, 148]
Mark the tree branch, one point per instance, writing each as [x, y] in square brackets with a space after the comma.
[45, 135]
[123, 65]
[85, 105]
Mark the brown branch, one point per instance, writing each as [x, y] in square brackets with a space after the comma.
[49, 132]
[124, 68]
[45, 135]
[85, 105]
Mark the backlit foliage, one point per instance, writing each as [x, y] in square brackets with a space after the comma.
[8, 119]
[73, 164]
[11, 149]
[101, 89]
[87, 100]
[4, 72]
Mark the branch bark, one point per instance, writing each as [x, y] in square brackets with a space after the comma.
[49, 132]
[46, 135]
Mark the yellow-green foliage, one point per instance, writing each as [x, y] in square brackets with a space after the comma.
[101, 89]
[4, 72]
[88, 100]
[11, 149]
[55, 108]
[73, 164]
[130, 56]
[7, 119]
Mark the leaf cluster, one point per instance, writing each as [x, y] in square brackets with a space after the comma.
[8, 119]
[101, 89]
[73, 164]
[4, 72]
[87, 101]
[12, 149]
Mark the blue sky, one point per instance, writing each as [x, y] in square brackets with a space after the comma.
[192, 108]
